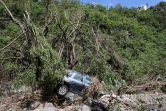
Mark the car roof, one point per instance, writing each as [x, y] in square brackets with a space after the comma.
[68, 70]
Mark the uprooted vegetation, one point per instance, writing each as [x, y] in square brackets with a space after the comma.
[91, 99]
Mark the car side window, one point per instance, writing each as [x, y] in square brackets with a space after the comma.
[87, 80]
[78, 77]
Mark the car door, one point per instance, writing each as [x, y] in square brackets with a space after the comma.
[77, 82]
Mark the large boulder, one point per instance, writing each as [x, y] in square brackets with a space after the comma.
[49, 107]
[85, 108]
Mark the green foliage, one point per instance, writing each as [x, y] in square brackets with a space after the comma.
[102, 70]
[10, 66]
[52, 69]
[26, 78]
[37, 13]
[113, 44]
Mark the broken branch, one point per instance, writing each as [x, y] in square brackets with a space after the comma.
[12, 41]
[12, 17]
[5, 19]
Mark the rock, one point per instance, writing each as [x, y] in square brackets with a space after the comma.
[48, 104]
[98, 106]
[49, 107]
[60, 110]
[25, 109]
[85, 108]
[40, 107]
[71, 108]
[114, 95]
[71, 96]
[105, 100]
[21, 98]
[34, 105]
[37, 110]
[22, 89]
[10, 109]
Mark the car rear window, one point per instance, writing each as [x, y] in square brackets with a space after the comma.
[87, 80]
[78, 77]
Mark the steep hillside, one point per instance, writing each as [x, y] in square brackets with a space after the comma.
[119, 45]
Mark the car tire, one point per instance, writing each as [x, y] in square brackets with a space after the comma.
[62, 90]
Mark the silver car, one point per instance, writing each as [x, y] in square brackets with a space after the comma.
[74, 82]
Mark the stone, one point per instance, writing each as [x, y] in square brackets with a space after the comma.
[22, 89]
[72, 108]
[105, 100]
[85, 108]
[48, 104]
[49, 107]
[114, 96]
[37, 110]
[34, 105]
[98, 106]
[40, 107]
[21, 98]
[25, 109]
[10, 109]
[71, 96]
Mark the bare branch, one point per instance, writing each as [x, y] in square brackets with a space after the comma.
[12, 17]
[45, 29]
[10, 58]
[6, 51]
[26, 16]
[74, 28]
[12, 41]
[94, 34]
[96, 40]
[5, 19]
[72, 64]
[61, 50]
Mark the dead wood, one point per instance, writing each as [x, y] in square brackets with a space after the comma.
[92, 91]
[5, 19]
[45, 29]
[151, 86]
[13, 41]
[72, 64]
[12, 17]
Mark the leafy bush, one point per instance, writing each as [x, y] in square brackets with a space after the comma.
[26, 78]
[103, 71]
[52, 69]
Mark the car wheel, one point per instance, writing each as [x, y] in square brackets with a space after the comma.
[62, 90]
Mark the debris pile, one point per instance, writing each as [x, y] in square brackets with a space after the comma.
[36, 101]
